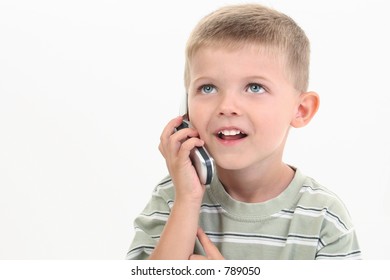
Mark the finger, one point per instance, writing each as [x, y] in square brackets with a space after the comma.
[170, 128]
[204, 240]
[210, 249]
[174, 123]
[167, 133]
[188, 145]
[170, 141]
[180, 144]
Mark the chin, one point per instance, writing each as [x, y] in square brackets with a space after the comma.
[229, 164]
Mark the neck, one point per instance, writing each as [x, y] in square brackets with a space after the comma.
[257, 184]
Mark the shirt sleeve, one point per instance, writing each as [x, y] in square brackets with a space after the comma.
[338, 235]
[344, 247]
[150, 223]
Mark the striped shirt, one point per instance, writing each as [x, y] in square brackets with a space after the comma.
[306, 221]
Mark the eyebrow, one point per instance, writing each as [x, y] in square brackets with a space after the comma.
[255, 77]
[201, 78]
[259, 78]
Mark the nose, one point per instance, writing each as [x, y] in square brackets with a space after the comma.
[228, 105]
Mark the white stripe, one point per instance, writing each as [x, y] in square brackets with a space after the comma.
[283, 214]
[138, 229]
[155, 216]
[170, 204]
[323, 213]
[247, 238]
[211, 209]
[244, 240]
[317, 191]
[138, 252]
[154, 237]
[310, 213]
[349, 257]
[264, 241]
[166, 186]
[302, 241]
[337, 224]
[208, 210]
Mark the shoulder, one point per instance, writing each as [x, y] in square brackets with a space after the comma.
[317, 200]
[313, 192]
[165, 188]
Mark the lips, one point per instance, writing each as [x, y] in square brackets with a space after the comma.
[231, 134]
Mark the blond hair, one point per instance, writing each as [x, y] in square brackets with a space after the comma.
[236, 25]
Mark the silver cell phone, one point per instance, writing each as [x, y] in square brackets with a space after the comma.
[201, 159]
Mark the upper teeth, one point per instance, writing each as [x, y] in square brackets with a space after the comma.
[230, 132]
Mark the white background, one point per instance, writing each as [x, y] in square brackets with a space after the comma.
[87, 86]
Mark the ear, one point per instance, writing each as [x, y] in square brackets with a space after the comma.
[308, 105]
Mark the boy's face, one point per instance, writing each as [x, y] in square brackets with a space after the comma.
[242, 104]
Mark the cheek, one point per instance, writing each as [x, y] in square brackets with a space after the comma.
[196, 109]
[282, 113]
[271, 124]
[199, 117]
[190, 106]
[194, 114]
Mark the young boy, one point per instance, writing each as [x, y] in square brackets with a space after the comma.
[246, 78]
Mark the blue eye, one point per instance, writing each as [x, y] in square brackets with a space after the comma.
[256, 88]
[207, 89]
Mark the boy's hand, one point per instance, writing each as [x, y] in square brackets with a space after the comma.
[178, 237]
[176, 148]
[212, 252]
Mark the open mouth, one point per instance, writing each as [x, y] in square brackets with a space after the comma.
[232, 134]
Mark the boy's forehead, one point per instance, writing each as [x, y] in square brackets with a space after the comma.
[231, 63]
[260, 50]
[255, 53]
